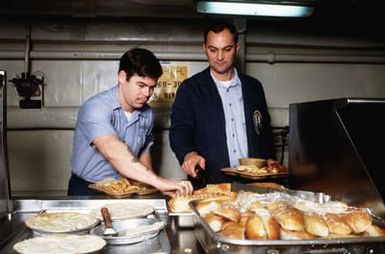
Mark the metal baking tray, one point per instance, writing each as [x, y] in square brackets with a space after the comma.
[215, 243]
[23, 209]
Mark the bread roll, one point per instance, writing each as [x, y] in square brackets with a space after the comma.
[229, 213]
[315, 225]
[295, 235]
[205, 207]
[255, 229]
[288, 217]
[375, 231]
[358, 220]
[234, 232]
[272, 228]
[229, 224]
[214, 221]
[337, 224]
[244, 217]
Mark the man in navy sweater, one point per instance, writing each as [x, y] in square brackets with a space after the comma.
[220, 114]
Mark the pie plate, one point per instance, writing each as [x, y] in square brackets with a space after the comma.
[131, 231]
[61, 222]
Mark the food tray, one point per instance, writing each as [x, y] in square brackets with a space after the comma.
[215, 243]
[253, 176]
[127, 233]
[142, 191]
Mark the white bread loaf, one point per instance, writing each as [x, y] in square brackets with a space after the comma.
[229, 213]
[234, 231]
[255, 229]
[214, 221]
[375, 231]
[337, 224]
[287, 216]
[315, 225]
[272, 228]
[359, 220]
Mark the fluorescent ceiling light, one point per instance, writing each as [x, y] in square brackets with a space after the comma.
[254, 9]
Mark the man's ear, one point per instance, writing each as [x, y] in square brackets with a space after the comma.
[237, 47]
[122, 76]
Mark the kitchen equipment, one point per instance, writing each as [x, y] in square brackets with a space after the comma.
[4, 174]
[24, 208]
[108, 228]
[335, 148]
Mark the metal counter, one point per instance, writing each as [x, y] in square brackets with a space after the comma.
[172, 239]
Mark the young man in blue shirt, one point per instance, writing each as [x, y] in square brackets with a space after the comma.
[113, 133]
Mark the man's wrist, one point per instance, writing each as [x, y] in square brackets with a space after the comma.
[188, 155]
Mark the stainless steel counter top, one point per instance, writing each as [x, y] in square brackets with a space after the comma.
[173, 239]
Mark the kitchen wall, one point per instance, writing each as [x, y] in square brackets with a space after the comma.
[79, 57]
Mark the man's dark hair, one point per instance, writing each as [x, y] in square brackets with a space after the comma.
[141, 62]
[219, 27]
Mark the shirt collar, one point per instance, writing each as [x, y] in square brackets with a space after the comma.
[235, 81]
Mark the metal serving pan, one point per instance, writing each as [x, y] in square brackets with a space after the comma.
[23, 209]
[215, 243]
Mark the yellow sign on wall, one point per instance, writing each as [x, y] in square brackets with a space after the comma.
[168, 83]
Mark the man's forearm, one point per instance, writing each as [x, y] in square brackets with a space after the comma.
[124, 160]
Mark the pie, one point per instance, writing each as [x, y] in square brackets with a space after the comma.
[60, 244]
[61, 222]
[124, 210]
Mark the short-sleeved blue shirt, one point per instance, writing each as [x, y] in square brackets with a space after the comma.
[102, 115]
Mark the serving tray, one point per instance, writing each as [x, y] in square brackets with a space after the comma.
[253, 176]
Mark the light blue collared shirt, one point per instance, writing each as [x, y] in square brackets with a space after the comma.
[103, 115]
[232, 100]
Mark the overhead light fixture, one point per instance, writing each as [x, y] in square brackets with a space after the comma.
[256, 8]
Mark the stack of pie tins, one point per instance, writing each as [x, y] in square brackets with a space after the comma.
[132, 221]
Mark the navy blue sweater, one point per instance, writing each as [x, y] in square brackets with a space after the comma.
[198, 123]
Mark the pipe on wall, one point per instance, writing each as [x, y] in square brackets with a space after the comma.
[273, 57]
[270, 57]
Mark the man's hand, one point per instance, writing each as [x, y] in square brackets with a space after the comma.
[174, 187]
[191, 162]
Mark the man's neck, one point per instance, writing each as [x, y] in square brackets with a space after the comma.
[223, 76]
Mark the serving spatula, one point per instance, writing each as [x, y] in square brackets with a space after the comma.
[109, 230]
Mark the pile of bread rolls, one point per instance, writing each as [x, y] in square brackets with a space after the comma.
[286, 219]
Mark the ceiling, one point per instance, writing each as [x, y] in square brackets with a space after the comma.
[172, 8]
[340, 16]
